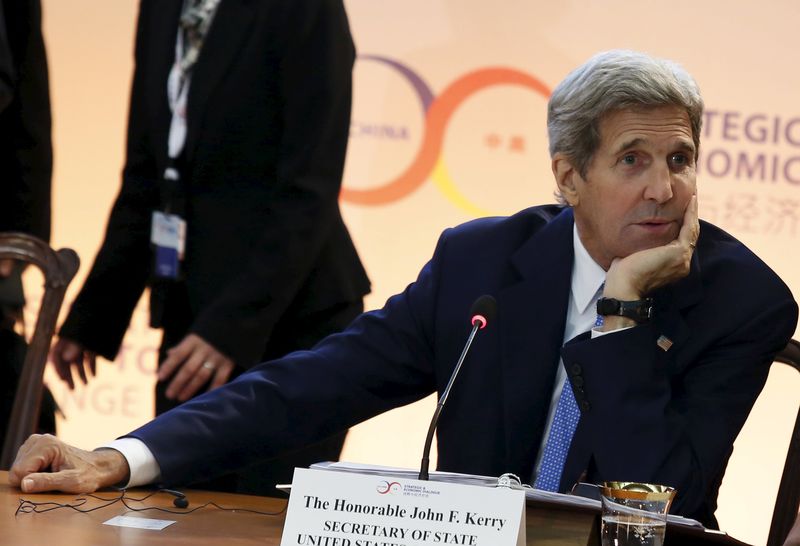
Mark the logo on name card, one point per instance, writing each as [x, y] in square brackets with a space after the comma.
[389, 488]
[422, 491]
[386, 487]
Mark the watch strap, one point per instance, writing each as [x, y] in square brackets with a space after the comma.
[637, 310]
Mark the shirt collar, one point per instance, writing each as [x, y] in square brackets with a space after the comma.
[587, 275]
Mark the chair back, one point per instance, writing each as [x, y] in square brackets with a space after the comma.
[788, 500]
[58, 269]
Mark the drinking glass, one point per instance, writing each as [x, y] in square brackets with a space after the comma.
[634, 514]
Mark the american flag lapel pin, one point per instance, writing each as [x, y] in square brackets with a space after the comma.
[664, 343]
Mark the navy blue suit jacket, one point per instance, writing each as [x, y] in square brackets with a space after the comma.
[648, 414]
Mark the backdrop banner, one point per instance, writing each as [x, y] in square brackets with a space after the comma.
[448, 125]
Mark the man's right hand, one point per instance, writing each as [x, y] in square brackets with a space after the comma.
[67, 353]
[45, 463]
[640, 273]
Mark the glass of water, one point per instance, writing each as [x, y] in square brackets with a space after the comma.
[634, 514]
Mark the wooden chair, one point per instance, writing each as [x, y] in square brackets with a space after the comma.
[788, 500]
[58, 269]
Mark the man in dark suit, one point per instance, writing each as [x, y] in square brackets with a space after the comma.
[630, 343]
[269, 266]
[26, 161]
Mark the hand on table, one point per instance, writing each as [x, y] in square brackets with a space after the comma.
[192, 362]
[45, 463]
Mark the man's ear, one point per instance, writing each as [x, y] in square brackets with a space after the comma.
[567, 178]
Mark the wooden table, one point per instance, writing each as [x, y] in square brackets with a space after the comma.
[546, 525]
[207, 526]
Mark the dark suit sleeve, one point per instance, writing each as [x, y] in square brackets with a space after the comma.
[657, 417]
[384, 359]
[315, 90]
[100, 314]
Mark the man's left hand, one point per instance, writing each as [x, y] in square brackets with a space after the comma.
[193, 361]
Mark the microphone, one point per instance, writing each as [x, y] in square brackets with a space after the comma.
[481, 313]
[180, 500]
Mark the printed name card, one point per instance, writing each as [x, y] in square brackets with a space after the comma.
[328, 508]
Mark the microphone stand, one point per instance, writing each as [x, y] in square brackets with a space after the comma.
[478, 322]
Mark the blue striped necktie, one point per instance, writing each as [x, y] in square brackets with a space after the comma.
[565, 421]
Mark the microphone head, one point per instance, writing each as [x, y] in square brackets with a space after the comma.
[483, 310]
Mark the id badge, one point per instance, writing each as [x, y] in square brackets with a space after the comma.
[168, 235]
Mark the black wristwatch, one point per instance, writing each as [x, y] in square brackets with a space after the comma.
[638, 310]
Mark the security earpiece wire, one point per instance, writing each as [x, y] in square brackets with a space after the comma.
[28, 506]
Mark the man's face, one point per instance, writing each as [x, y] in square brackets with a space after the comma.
[638, 183]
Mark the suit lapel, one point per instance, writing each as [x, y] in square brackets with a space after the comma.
[231, 26]
[670, 303]
[532, 316]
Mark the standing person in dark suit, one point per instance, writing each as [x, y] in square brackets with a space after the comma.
[238, 128]
[26, 164]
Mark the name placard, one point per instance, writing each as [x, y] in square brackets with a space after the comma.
[328, 508]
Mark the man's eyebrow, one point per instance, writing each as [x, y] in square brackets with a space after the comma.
[682, 145]
[685, 145]
[629, 144]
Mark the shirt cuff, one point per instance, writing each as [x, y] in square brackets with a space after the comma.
[143, 465]
[597, 333]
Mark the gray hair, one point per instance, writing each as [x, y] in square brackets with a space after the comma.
[611, 81]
